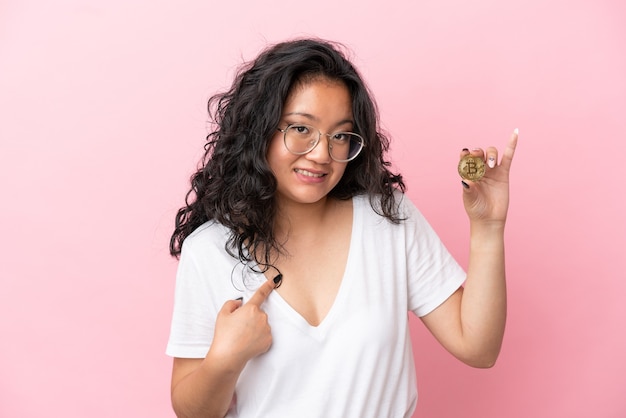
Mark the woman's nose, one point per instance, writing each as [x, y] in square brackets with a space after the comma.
[321, 153]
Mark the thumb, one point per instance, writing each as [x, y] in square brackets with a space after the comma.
[231, 306]
[467, 186]
[470, 189]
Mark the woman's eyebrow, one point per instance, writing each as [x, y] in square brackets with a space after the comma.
[316, 119]
[306, 115]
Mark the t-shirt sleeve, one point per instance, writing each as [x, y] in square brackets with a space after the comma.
[434, 275]
[193, 319]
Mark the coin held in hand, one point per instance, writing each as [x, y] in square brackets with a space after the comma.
[471, 168]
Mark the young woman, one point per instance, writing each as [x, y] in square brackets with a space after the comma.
[300, 256]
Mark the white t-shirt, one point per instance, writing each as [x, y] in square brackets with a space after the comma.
[358, 362]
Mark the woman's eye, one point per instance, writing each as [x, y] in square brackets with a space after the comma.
[340, 137]
[300, 129]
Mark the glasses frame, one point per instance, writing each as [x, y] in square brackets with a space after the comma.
[319, 137]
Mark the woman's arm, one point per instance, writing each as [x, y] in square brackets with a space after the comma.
[470, 324]
[201, 388]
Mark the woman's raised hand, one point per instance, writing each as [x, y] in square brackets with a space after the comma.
[487, 200]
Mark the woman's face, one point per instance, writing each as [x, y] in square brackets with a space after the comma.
[327, 106]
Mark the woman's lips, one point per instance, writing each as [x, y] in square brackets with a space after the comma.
[309, 173]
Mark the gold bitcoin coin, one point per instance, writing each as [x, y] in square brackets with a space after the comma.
[471, 168]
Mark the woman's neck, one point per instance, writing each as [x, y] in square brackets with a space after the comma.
[297, 220]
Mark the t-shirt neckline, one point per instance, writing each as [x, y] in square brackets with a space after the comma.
[319, 331]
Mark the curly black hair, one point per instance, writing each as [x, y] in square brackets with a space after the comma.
[235, 185]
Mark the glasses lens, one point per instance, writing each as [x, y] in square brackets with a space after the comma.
[345, 146]
[300, 139]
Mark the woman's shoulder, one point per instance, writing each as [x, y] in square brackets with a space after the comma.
[403, 205]
[210, 233]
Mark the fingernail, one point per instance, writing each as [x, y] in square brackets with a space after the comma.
[240, 298]
[491, 162]
[516, 131]
[465, 149]
[278, 280]
[465, 184]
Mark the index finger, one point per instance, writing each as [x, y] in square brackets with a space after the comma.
[509, 151]
[264, 291]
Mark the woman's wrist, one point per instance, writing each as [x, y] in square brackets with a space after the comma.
[486, 235]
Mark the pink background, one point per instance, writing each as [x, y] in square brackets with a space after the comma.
[102, 108]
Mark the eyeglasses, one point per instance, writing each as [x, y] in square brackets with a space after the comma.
[342, 146]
